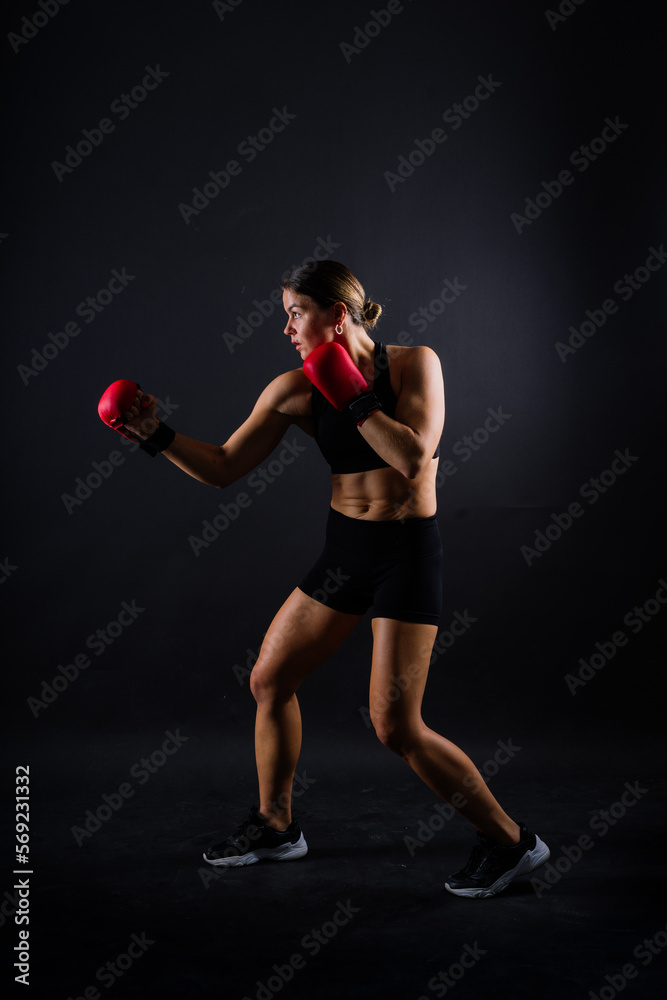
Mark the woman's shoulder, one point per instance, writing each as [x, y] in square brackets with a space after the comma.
[415, 356]
[289, 392]
[415, 367]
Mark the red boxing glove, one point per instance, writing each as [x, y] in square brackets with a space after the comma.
[115, 401]
[331, 370]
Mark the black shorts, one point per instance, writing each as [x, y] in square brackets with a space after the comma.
[395, 567]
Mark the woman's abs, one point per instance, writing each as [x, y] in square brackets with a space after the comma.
[384, 494]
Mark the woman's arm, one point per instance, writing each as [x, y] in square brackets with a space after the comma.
[221, 465]
[408, 441]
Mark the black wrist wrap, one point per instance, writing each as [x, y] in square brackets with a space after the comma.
[159, 441]
[362, 406]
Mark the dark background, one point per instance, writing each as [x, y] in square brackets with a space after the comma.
[70, 560]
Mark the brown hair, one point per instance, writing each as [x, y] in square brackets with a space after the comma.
[327, 282]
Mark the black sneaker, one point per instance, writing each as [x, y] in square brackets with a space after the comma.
[491, 868]
[253, 840]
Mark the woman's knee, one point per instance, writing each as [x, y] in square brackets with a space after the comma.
[268, 683]
[397, 734]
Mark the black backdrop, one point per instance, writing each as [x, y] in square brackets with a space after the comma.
[541, 293]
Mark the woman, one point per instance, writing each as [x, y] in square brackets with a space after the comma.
[377, 414]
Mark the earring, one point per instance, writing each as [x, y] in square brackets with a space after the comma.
[339, 331]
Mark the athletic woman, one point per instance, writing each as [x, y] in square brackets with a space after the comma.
[377, 413]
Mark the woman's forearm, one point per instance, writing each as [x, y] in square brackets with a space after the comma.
[396, 443]
[202, 461]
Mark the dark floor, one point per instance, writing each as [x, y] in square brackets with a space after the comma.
[386, 925]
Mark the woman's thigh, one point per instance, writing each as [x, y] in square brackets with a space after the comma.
[303, 634]
[401, 658]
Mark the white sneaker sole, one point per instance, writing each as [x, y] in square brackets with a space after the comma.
[288, 852]
[527, 863]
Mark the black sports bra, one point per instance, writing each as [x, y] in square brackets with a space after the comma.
[340, 442]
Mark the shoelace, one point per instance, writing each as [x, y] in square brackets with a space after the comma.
[241, 835]
[479, 859]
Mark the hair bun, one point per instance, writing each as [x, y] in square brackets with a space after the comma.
[371, 313]
[327, 282]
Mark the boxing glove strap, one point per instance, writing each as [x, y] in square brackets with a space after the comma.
[159, 441]
[361, 407]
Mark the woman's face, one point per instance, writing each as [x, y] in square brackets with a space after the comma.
[308, 326]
